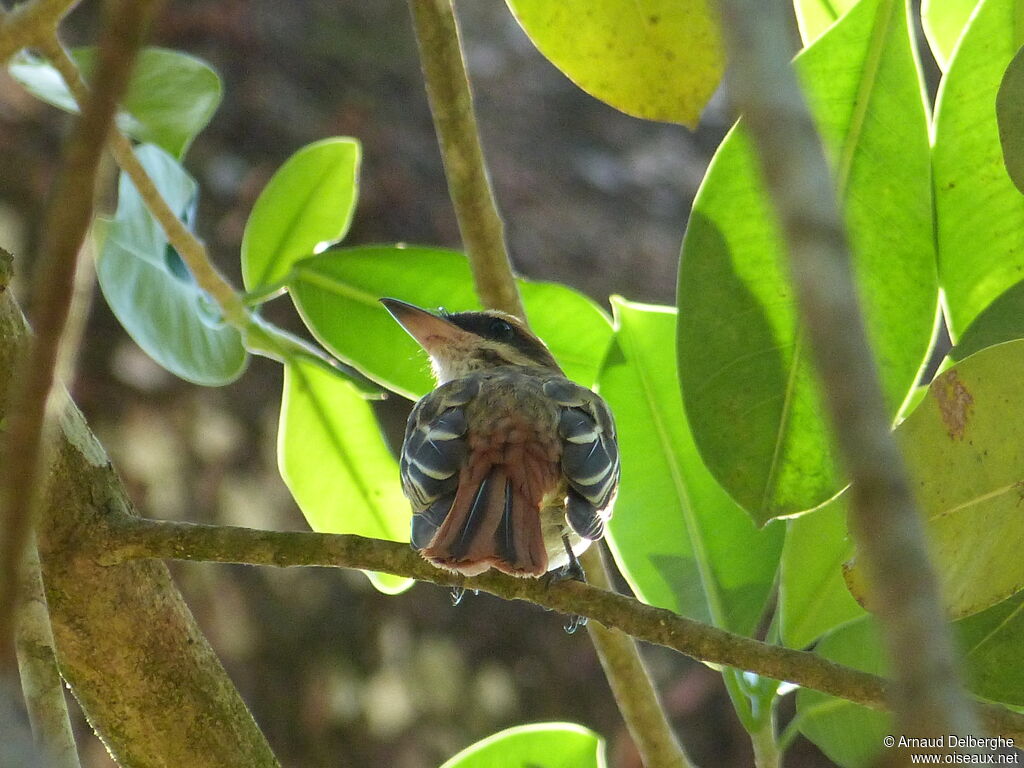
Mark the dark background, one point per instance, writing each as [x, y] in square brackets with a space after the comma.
[335, 673]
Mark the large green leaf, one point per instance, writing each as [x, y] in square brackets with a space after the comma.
[551, 745]
[746, 377]
[307, 204]
[678, 538]
[966, 460]
[151, 291]
[337, 295]
[851, 735]
[170, 98]
[991, 642]
[815, 16]
[1010, 118]
[944, 22]
[335, 462]
[656, 59]
[980, 214]
[813, 597]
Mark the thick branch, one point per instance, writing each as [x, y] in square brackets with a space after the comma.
[67, 221]
[468, 185]
[40, 679]
[29, 23]
[927, 695]
[126, 538]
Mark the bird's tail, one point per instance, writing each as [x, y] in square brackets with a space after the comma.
[493, 523]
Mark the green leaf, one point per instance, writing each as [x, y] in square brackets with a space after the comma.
[656, 59]
[170, 98]
[551, 745]
[1010, 118]
[1002, 320]
[680, 541]
[745, 371]
[980, 213]
[966, 462]
[813, 597]
[815, 16]
[337, 294]
[334, 461]
[991, 643]
[151, 291]
[307, 205]
[849, 734]
[944, 22]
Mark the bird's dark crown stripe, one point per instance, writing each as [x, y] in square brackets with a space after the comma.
[483, 325]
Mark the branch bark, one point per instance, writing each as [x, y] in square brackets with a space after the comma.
[142, 671]
[41, 683]
[127, 538]
[29, 23]
[67, 221]
[927, 695]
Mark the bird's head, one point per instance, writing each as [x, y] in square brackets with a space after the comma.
[466, 342]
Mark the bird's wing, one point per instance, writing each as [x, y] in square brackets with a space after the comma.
[433, 453]
[590, 455]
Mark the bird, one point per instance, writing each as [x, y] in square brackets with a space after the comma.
[507, 463]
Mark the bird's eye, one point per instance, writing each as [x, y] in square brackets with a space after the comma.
[500, 329]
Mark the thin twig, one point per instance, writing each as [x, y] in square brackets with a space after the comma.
[127, 538]
[41, 682]
[631, 682]
[451, 103]
[67, 221]
[192, 250]
[29, 23]
[927, 695]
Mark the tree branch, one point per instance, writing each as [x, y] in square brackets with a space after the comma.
[468, 185]
[927, 695]
[125, 538]
[67, 221]
[40, 679]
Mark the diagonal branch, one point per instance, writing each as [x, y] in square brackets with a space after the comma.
[927, 695]
[124, 538]
[29, 23]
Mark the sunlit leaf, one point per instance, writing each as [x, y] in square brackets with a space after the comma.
[980, 213]
[307, 203]
[335, 462]
[551, 745]
[152, 293]
[1002, 320]
[680, 541]
[966, 460]
[849, 734]
[944, 22]
[815, 16]
[656, 59]
[338, 292]
[744, 362]
[170, 98]
[813, 597]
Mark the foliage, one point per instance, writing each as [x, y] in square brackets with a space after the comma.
[721, 427]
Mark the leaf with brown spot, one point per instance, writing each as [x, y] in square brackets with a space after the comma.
[965, 456]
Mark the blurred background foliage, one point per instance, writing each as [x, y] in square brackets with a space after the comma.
[336, 673]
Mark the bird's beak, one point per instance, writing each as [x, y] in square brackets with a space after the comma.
[429, 330]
